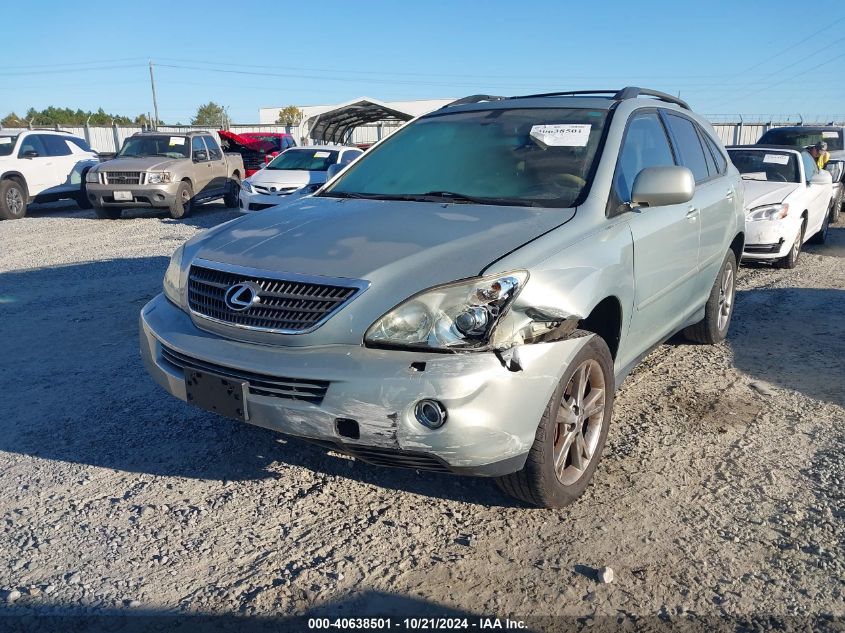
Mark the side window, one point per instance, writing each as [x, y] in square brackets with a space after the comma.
[718, 155]
[81, 143]
[810, 166]
[645, 145]
[32, 143]
[197, 146]
[55, 145]
[688, 146]
[213, 148]
[348, 157]
[708, 155]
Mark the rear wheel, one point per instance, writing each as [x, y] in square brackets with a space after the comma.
[183, 203]
[791, 259]
[719, 308]
[12, 200]
[108, 213]
[233, 192]
[571, 434]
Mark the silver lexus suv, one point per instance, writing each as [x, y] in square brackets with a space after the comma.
[468, 295]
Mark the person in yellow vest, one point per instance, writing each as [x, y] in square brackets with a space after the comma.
[820, 154]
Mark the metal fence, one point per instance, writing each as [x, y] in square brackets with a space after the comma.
[731, 129]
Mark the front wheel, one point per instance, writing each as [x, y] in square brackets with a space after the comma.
[718, 310]
[572, 431]
[183, 202]
[230, 199]
[791, 259]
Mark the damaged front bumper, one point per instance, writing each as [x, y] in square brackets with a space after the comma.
[768, 239]
[492, 411]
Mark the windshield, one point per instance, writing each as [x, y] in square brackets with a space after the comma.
[304, 159]
[766, 165]
[7, 144]
[168, 146]
[531, 157]
[803, 138]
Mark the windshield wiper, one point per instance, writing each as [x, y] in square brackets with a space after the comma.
[462, 198]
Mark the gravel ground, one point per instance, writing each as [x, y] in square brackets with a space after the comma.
[720, 493]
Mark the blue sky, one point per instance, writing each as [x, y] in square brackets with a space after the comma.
[723, 57]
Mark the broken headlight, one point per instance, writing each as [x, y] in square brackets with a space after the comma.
[456, 316]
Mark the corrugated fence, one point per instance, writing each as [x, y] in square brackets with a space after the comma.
[110, 138]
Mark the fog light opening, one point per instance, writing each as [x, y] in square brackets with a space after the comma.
[430, 413]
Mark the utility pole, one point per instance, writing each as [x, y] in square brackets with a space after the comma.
[155, 103]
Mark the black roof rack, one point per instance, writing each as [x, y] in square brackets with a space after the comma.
[631, 92]
[49, 129]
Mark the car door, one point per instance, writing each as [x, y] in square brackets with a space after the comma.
[714, 198]
[219, 168]
[35, 164]
[63, 163]
[665, 238]
[818, 197]
[203, 173]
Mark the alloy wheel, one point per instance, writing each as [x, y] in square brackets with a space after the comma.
[579, 422]
[14, 201]
[726, 297]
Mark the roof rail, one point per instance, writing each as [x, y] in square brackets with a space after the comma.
[473, 99]
[632, 92]
[49, 129]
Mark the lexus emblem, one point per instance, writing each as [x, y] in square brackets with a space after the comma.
[242, 296]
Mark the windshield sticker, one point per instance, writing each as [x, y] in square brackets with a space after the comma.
[562, 135]
[321, 154]
[177, 140]
[777, 159]
[830, 134]
[5, 140]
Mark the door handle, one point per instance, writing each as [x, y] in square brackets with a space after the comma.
[730, 194]
[692, 213]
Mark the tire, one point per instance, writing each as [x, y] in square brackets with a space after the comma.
[836, 210]
[561, 430]
[81, 198]
[230, 199]
[821, 236]
[108, 213]
[13, 200]
[719, 309]
[791, 260]
[183, 203]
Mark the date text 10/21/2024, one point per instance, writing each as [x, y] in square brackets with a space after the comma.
[418, 623]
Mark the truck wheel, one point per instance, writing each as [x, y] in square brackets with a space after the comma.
[571, 434]
[718, 310]
[108, 213]
[791, 260]
[821, 236]
[183, 203]
[232, 192]
[12, 200]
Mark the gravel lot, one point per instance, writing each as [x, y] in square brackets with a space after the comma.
[720, 493]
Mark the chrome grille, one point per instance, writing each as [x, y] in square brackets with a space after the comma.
[122, 177]
[289, 303]
[312, 391]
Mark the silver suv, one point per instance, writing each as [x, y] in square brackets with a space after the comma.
[468, 295]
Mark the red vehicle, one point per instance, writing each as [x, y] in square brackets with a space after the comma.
[256, 148]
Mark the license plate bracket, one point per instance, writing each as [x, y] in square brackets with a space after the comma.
[218, 394]
[123, 195]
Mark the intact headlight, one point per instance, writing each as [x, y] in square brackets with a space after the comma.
[158, 177]
[454, 316]
[92, 176]
[246, 186]
[173, 277]
[768, 212]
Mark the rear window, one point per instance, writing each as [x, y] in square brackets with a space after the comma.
[315, 159]
[802, 138]
[80, 143]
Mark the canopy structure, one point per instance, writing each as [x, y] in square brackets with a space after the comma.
[334, 125]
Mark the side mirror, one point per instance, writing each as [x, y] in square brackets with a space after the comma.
[31, 153]
[200, 156]
[333, 170]
[836, 168]
[822, 178]
[662, 186]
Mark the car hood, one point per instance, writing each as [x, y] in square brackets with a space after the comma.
[762, 192]
[150, 163]
[236, 142]
[286, 177]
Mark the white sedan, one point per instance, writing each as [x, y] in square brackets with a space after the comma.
[292, 171]
[788, 201]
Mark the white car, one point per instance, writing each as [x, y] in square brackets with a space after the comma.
[788, 200]
[290, 171]
[42, 166]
